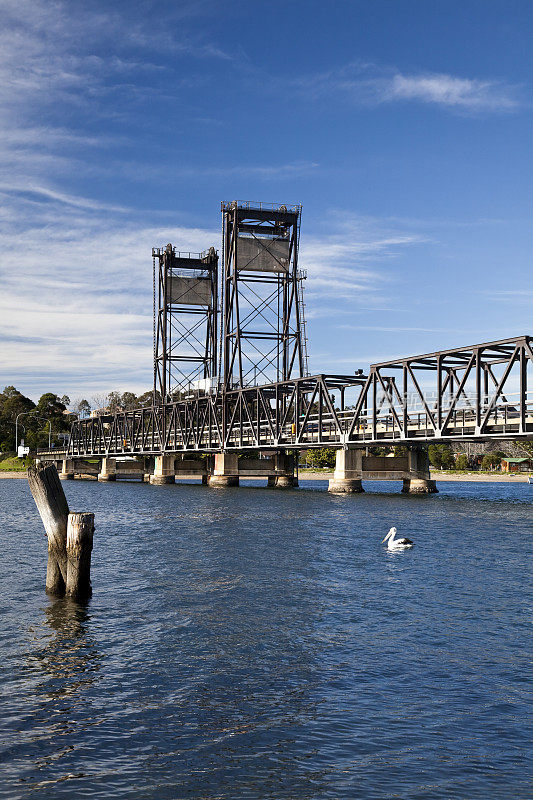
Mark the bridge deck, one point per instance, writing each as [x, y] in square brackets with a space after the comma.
[479, 392]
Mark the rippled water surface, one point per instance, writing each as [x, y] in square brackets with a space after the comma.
[253, 643]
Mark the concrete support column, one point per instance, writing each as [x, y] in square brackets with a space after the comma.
[67, 470]
[418, 462]
[348, 471]
[163, 471]
[282, 481]
[286, 482]
[284, 468]
[419, 486]
[108, 470]
[419, 481]
[147, 470]
[226, 470]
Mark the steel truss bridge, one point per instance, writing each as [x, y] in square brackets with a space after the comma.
[473, 393]
[230, 364]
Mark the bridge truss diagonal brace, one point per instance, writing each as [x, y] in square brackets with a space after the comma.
[300, 413]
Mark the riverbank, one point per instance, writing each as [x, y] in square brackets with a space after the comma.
[475, 477]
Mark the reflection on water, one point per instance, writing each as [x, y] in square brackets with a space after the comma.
[59, 664]
[68, 655]
[241, 644]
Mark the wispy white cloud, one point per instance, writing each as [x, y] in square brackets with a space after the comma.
[392, 329]
[369, 84]
[79, 320]
[509, 294]
[45, 193]
[451, 91]
[76, 300]
[258, 171]
[62, 64]
[349, 262]
[519, 299]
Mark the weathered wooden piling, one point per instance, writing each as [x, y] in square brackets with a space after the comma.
[80, 529]
[70, 535]
[52, 505]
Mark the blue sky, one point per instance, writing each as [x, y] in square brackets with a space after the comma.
[403, 128]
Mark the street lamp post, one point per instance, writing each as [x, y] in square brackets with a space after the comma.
[38, 417]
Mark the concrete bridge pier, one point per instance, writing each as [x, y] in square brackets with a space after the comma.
[148, 470]
[226, 470]
[67, 470]
[163, 471]
[108, 469]
[348, 471]
[282, 482]
[419, 481]
[284, 477]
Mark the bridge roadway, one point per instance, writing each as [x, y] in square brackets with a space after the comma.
[471, 401]
[205, 425]
[474, 393]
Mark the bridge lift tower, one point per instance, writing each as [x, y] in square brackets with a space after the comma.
[185, 322]
[262, 326]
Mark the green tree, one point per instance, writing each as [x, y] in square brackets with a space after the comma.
[82, 408]
[378, 451]
[12, 403]
[441, 456]
[490, 461]
[321, 457]
[114, 402]
[129, 401]
[147, 398]
[525, 447]
[399, 450]
[50, 405]
[461, 461]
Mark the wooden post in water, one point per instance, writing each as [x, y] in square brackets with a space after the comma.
[80, 531]
[70, 536]
[52, 505]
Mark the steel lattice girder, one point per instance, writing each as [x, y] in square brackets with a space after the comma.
[262, 318]
[185, 309]
[300, 413]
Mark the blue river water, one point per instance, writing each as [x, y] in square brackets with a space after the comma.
[254, 643]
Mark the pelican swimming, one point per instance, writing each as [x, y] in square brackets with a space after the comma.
[396, 544]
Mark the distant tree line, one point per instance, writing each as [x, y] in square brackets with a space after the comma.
[115, 401]
[34, 419]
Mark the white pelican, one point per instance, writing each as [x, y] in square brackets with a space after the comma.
[396, 544]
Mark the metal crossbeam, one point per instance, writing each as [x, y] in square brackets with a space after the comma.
[305, 412]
